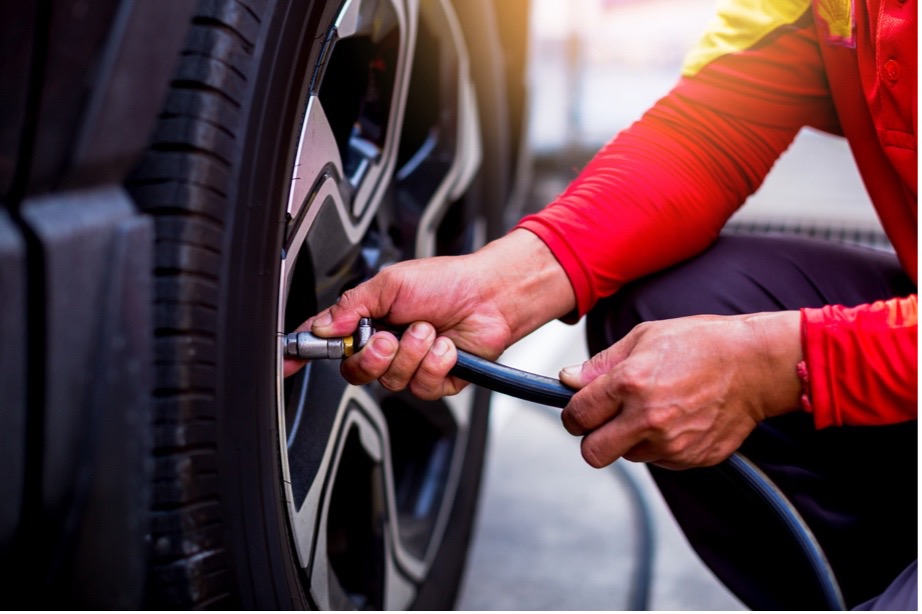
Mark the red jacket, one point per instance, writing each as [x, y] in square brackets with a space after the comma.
[670, 182]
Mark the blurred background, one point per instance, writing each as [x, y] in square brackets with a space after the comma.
[597, 65]
[553, 533]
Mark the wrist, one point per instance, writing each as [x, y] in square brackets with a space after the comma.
[779, 339]
[529, 286]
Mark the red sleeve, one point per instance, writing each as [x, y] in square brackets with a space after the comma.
[661, 191]
[657, 194]
[862, 362]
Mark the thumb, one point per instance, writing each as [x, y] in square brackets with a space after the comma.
[573, 376]
[580, 376]
[371, 299]
[326, 325]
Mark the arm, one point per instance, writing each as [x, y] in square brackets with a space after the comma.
[482, 302]
[657, 194]
[862, 363]
[662, 189]
[687, 392]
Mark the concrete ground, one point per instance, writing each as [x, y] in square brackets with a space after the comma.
[556, 534]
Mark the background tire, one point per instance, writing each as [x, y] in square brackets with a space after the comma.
[303, 147]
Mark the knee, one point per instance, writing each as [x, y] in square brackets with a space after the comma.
[711, 283]
[662, 296]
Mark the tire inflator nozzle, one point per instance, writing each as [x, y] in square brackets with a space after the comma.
[308, 346]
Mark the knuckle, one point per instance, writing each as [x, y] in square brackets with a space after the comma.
[582, 416]
[672, 450]
[670, 465]
[430, 373]
[636, 456]
[385, 275]
[345, 301]
[659, 419]
[632, 379]
[644, 328]
[391, 383]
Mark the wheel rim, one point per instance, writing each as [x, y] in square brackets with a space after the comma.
[388, 145]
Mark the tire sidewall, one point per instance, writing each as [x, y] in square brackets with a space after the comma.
[265, 568]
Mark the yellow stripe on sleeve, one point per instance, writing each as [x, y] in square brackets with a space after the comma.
[740, 24]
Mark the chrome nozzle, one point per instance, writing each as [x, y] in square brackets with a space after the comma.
[311, 347]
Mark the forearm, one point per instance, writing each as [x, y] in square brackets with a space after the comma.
[776, 352]
[656, 195]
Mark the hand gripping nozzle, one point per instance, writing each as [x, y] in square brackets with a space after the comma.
[474, 369]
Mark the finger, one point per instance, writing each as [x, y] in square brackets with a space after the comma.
[414, 345]
[371, 299]
[607, 444]
[291, 366]
[580, 376]
[336, 321]
[373, 361]
[592, 406]
[643, 452]
[572, 376]
[432, 381]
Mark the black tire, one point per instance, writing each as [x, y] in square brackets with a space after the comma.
[303, 493]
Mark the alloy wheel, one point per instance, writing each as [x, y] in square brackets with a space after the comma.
[388, 145]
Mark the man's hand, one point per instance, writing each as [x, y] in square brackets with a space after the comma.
[685, 392]
[482, 302]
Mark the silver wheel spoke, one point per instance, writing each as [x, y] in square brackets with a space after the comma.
[440, 162]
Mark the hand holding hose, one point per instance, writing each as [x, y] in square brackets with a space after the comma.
[481, 303]
[685, 392]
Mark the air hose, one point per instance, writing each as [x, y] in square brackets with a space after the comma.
[551, 392]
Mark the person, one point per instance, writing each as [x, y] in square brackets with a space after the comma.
[800, 353]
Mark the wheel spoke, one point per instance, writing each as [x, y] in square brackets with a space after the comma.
[346, 525]
[442, 151]
[317, 159]
[366, 99]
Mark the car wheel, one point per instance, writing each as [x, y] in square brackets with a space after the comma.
[303, 147]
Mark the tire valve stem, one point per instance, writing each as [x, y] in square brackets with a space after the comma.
[307, 346]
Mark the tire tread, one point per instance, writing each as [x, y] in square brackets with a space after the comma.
[184, 183]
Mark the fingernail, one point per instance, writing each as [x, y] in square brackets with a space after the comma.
[441, 346]
[572, 372]
[323, 320]
[419, 330]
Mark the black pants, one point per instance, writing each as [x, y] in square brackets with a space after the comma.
[855, 486]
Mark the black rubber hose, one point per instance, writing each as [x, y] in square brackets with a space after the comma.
[515, 383]
[741, 468]
[550, 391]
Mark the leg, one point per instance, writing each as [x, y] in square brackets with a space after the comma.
[856, 487]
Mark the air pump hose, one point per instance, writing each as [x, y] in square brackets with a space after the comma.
[550, 391]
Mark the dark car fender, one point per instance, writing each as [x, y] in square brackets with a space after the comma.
[83, 84]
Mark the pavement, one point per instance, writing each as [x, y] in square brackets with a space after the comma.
[553, 533]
